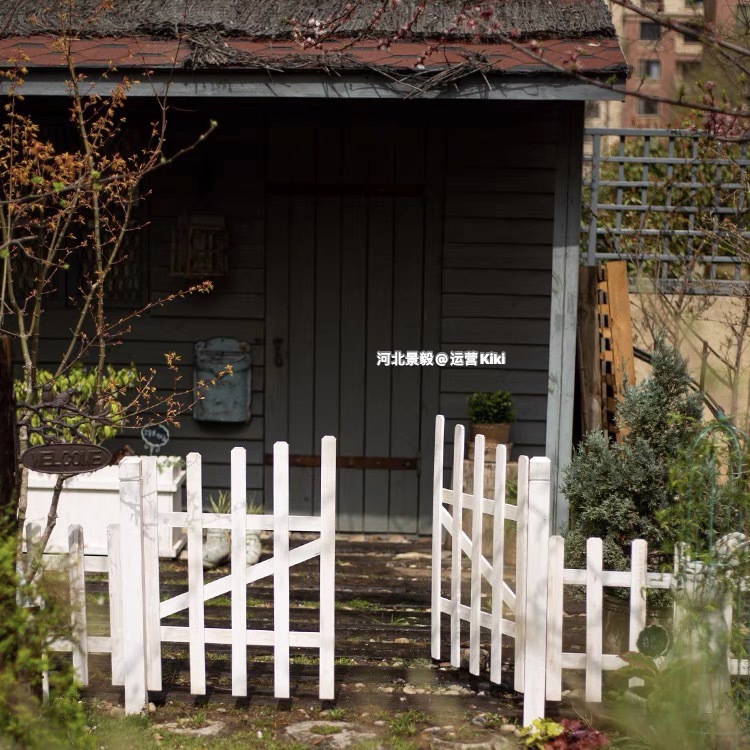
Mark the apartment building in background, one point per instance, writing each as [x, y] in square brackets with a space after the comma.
[664, 61]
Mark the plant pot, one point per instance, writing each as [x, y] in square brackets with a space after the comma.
[216, 548]
[615, 624]
[493, 433]
[93, 501]
[252, 547]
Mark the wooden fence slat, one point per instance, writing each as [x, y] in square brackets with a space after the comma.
[78, 605]
[594, 604]
[131, 555]
[33, 535]
[555, 618]
[638, 583]
[498, 567]
[281, 569]
[522, 518]
[458, 489]
[196, 612]
[114, 582]
[239, 570]
[437, 535]
[327, 567]
[535, 645]
[151, 572]
[476, 556]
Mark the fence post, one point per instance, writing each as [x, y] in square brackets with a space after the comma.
[594, 604]
[475, 612]
[437, 534]
[115, 603]
[281, 569]
[78, 605]
[327, 566]
[537, 549]
[522, 516]
[498, 566]
[456, 531]
[131, 556]
[196, 613]
[556, 564]
[152, 617]
[239, 572]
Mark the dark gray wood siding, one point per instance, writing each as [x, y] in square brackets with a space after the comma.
[496, 269]
[487, 258]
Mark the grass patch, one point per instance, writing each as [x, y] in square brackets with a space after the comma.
[359, 605]
[345, 661]
[326, 729]
[334, 714]
[408, 723]
[304, 659]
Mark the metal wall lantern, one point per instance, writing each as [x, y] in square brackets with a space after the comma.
[200, 247]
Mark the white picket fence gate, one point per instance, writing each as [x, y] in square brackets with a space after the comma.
[540, 578]
[136, 631]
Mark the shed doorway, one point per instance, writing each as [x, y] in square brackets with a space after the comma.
[344, 280]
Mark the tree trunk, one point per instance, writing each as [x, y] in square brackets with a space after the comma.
[8, 457]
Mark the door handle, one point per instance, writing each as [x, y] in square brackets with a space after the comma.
[278, 357]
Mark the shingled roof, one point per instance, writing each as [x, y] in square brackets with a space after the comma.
[248, 34]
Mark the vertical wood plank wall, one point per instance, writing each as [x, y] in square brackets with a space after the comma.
[486, 248]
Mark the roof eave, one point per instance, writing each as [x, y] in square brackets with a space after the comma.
[524, 86]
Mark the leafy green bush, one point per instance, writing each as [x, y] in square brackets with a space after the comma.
[24, 632]
[617, 491]
[491, 408]
[74, 409]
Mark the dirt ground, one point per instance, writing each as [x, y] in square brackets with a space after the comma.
[390, 693]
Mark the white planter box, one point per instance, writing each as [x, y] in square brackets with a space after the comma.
[93, 501]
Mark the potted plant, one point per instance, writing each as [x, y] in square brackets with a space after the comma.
[491, 415]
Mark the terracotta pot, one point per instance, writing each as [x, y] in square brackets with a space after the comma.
[493, 433]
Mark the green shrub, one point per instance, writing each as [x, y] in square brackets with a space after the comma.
[491, 408]
[24, 631]
[617, 491]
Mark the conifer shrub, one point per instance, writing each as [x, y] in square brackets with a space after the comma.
[619, 491]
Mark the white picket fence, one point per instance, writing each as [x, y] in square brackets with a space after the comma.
[540, 578]
[528, 601]
[136, 631]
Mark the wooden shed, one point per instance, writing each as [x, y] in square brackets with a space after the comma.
[420, 196]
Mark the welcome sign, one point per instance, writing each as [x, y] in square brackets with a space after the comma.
[65, 458]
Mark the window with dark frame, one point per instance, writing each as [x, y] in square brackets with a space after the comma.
[689, 38]
[650, 69]
[593, 109]
[647, 107]
[650, 31]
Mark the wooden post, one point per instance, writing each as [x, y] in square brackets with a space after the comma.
[594, 606]
[77, 578]
[535, 658]
[196, 612]
[239, 572]
[131, 559]
[458, 489]
[151, 598]
[587, 351]
[281, 569]
[437, 529]
[8, 458]
[327, 567]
